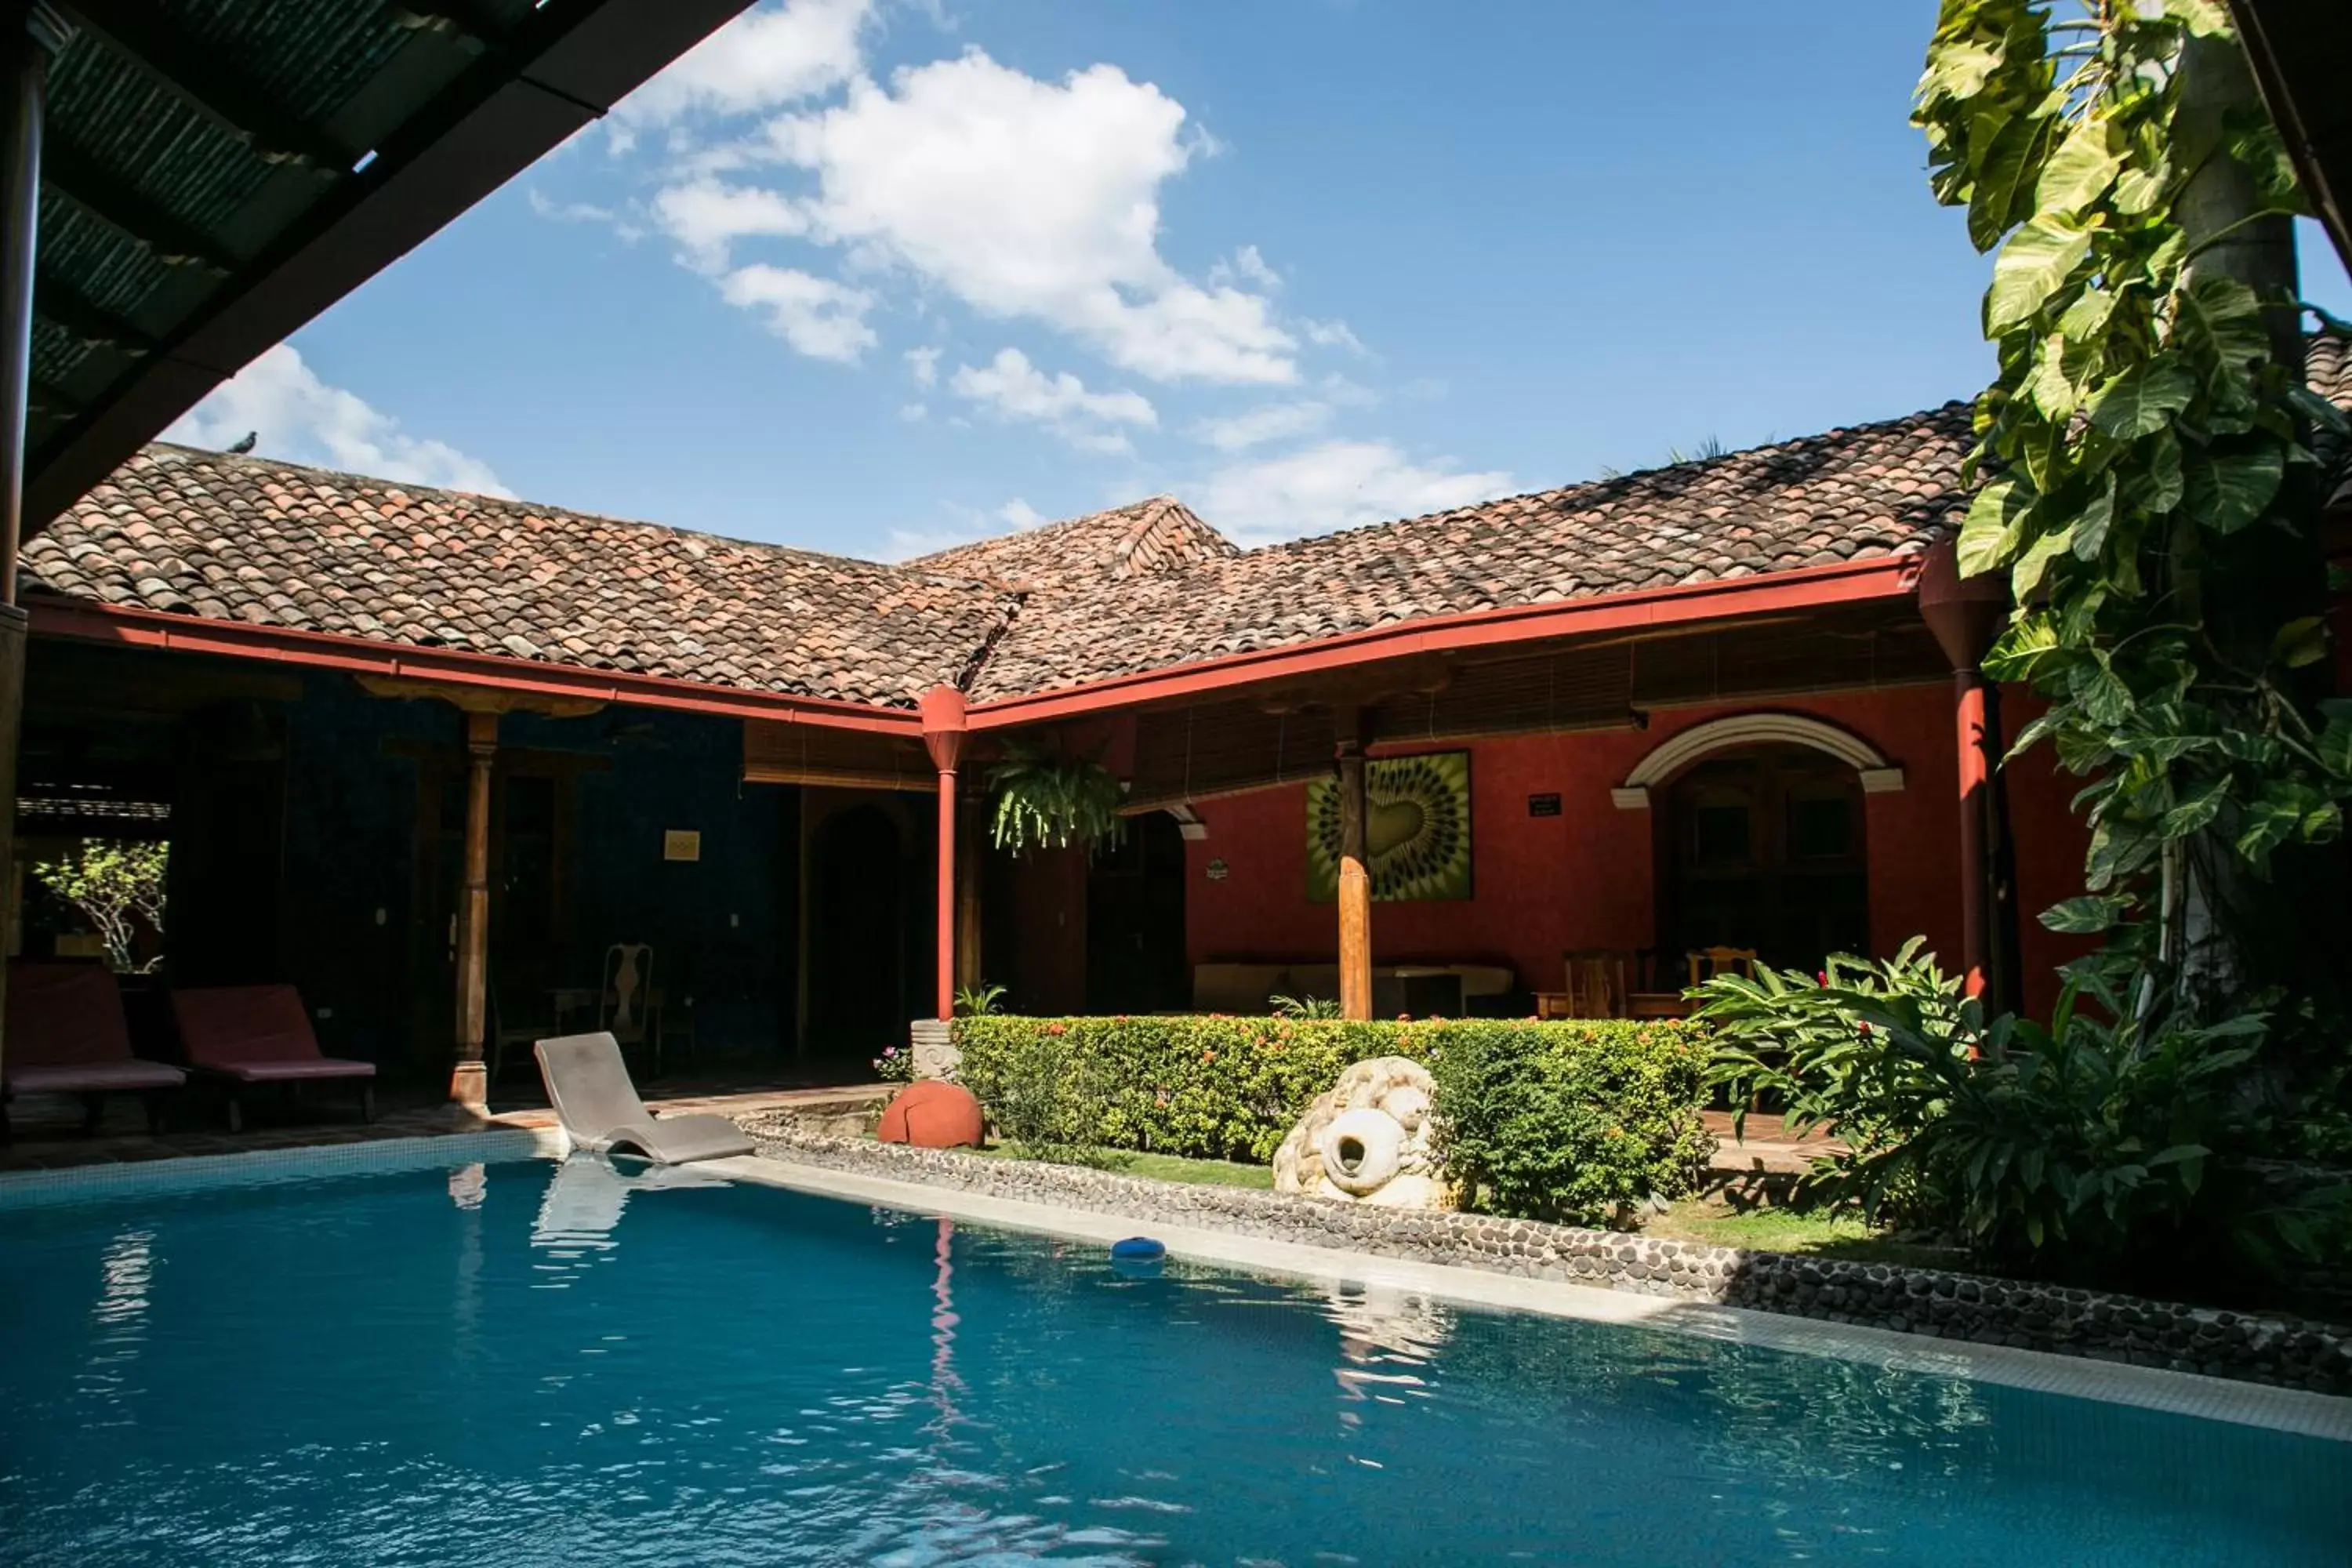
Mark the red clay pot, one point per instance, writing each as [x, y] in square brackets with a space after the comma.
[932, 1115]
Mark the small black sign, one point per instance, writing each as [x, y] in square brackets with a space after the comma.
[1543, 806]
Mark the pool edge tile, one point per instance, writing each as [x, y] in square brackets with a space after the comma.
[2189, 1395]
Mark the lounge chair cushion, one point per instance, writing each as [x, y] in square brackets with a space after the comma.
[66, 1034]
[254, 1033]
[288, 1072]
[94, 1078]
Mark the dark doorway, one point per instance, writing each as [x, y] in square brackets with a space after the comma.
[857, 944]
[1136, 961]
[1763, 849]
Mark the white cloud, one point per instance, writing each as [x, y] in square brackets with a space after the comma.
[1336, 484]
[301, 420]
[1247, 264]
[705, 215]
[1267, 422]
[1334, 334]
[1017, 514]
[764, 59]
[1010, 387]
[1033, 199]
[821, 317]
[923, 364]
[914, 413]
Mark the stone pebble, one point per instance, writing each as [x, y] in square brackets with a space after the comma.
[1934, 1303]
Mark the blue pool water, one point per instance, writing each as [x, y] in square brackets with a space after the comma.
[521, 1364]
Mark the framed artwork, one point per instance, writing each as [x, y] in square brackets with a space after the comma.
[1417, 831]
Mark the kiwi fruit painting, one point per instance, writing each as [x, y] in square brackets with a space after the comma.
[1416, 829]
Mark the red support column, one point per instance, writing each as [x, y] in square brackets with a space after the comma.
[943, 734]
[1965, 614]
[1976, 777]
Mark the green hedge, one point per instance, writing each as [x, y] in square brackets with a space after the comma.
[1561, 1120]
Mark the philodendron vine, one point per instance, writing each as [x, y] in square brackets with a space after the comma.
[2142, 434]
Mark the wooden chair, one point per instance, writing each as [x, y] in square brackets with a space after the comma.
[1596, 982]
[628, 1008]
[1710, 961]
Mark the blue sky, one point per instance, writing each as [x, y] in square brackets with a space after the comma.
[878, 276]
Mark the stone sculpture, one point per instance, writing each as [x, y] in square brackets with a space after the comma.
[1367, 1140]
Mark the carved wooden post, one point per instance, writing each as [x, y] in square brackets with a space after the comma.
[1355, 878]
[469, 1084]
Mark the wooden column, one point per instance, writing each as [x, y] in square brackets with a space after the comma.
[943, 720]
[970, 869]
[1355, 880]
[469, 1083]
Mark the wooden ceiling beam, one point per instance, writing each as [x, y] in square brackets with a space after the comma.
[209, 81]
[68, 173]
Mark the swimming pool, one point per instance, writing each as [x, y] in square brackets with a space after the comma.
[522, 1362]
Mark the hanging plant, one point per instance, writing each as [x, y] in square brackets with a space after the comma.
[1051, 802]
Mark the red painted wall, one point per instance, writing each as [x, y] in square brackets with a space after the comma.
[1546, 885]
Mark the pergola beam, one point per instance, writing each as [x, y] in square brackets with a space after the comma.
[80, 180]
[471, 19]
[210, 82]
[62, 306]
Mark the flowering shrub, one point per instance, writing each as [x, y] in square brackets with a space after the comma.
[1565, 1119]
[895, 1065]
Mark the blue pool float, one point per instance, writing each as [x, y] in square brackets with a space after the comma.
[1138, 1250]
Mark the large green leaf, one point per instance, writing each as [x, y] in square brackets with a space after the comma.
[2084, 916]
[2205, 18]
[2003, 193]
[2033, 264]
[1996, 518]
[2228, 490]
[2299, 643]
[2220, 320]
[2080, 171]
[2335, 740]
[2144, 399]
[2027, 574]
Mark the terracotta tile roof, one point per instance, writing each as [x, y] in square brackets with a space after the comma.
[1875, 490]
[247, 540]
[1138, 588]
[1147, 539]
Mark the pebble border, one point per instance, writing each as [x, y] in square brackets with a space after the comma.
[1930, 1303]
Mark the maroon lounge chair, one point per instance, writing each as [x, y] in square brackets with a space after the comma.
[248, 1035]
[66, 1036]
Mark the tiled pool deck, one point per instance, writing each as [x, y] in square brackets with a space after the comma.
[48, 1133]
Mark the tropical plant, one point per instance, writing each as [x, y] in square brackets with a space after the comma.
[978, 1001]
[2148, 483]
[1800, 1042]
[2113, 1132]
[1304, 1007]
[118, 886]
[1051, 801]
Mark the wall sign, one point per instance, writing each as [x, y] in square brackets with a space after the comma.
[1216, 870]
[682, 844]
[1543, 805]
